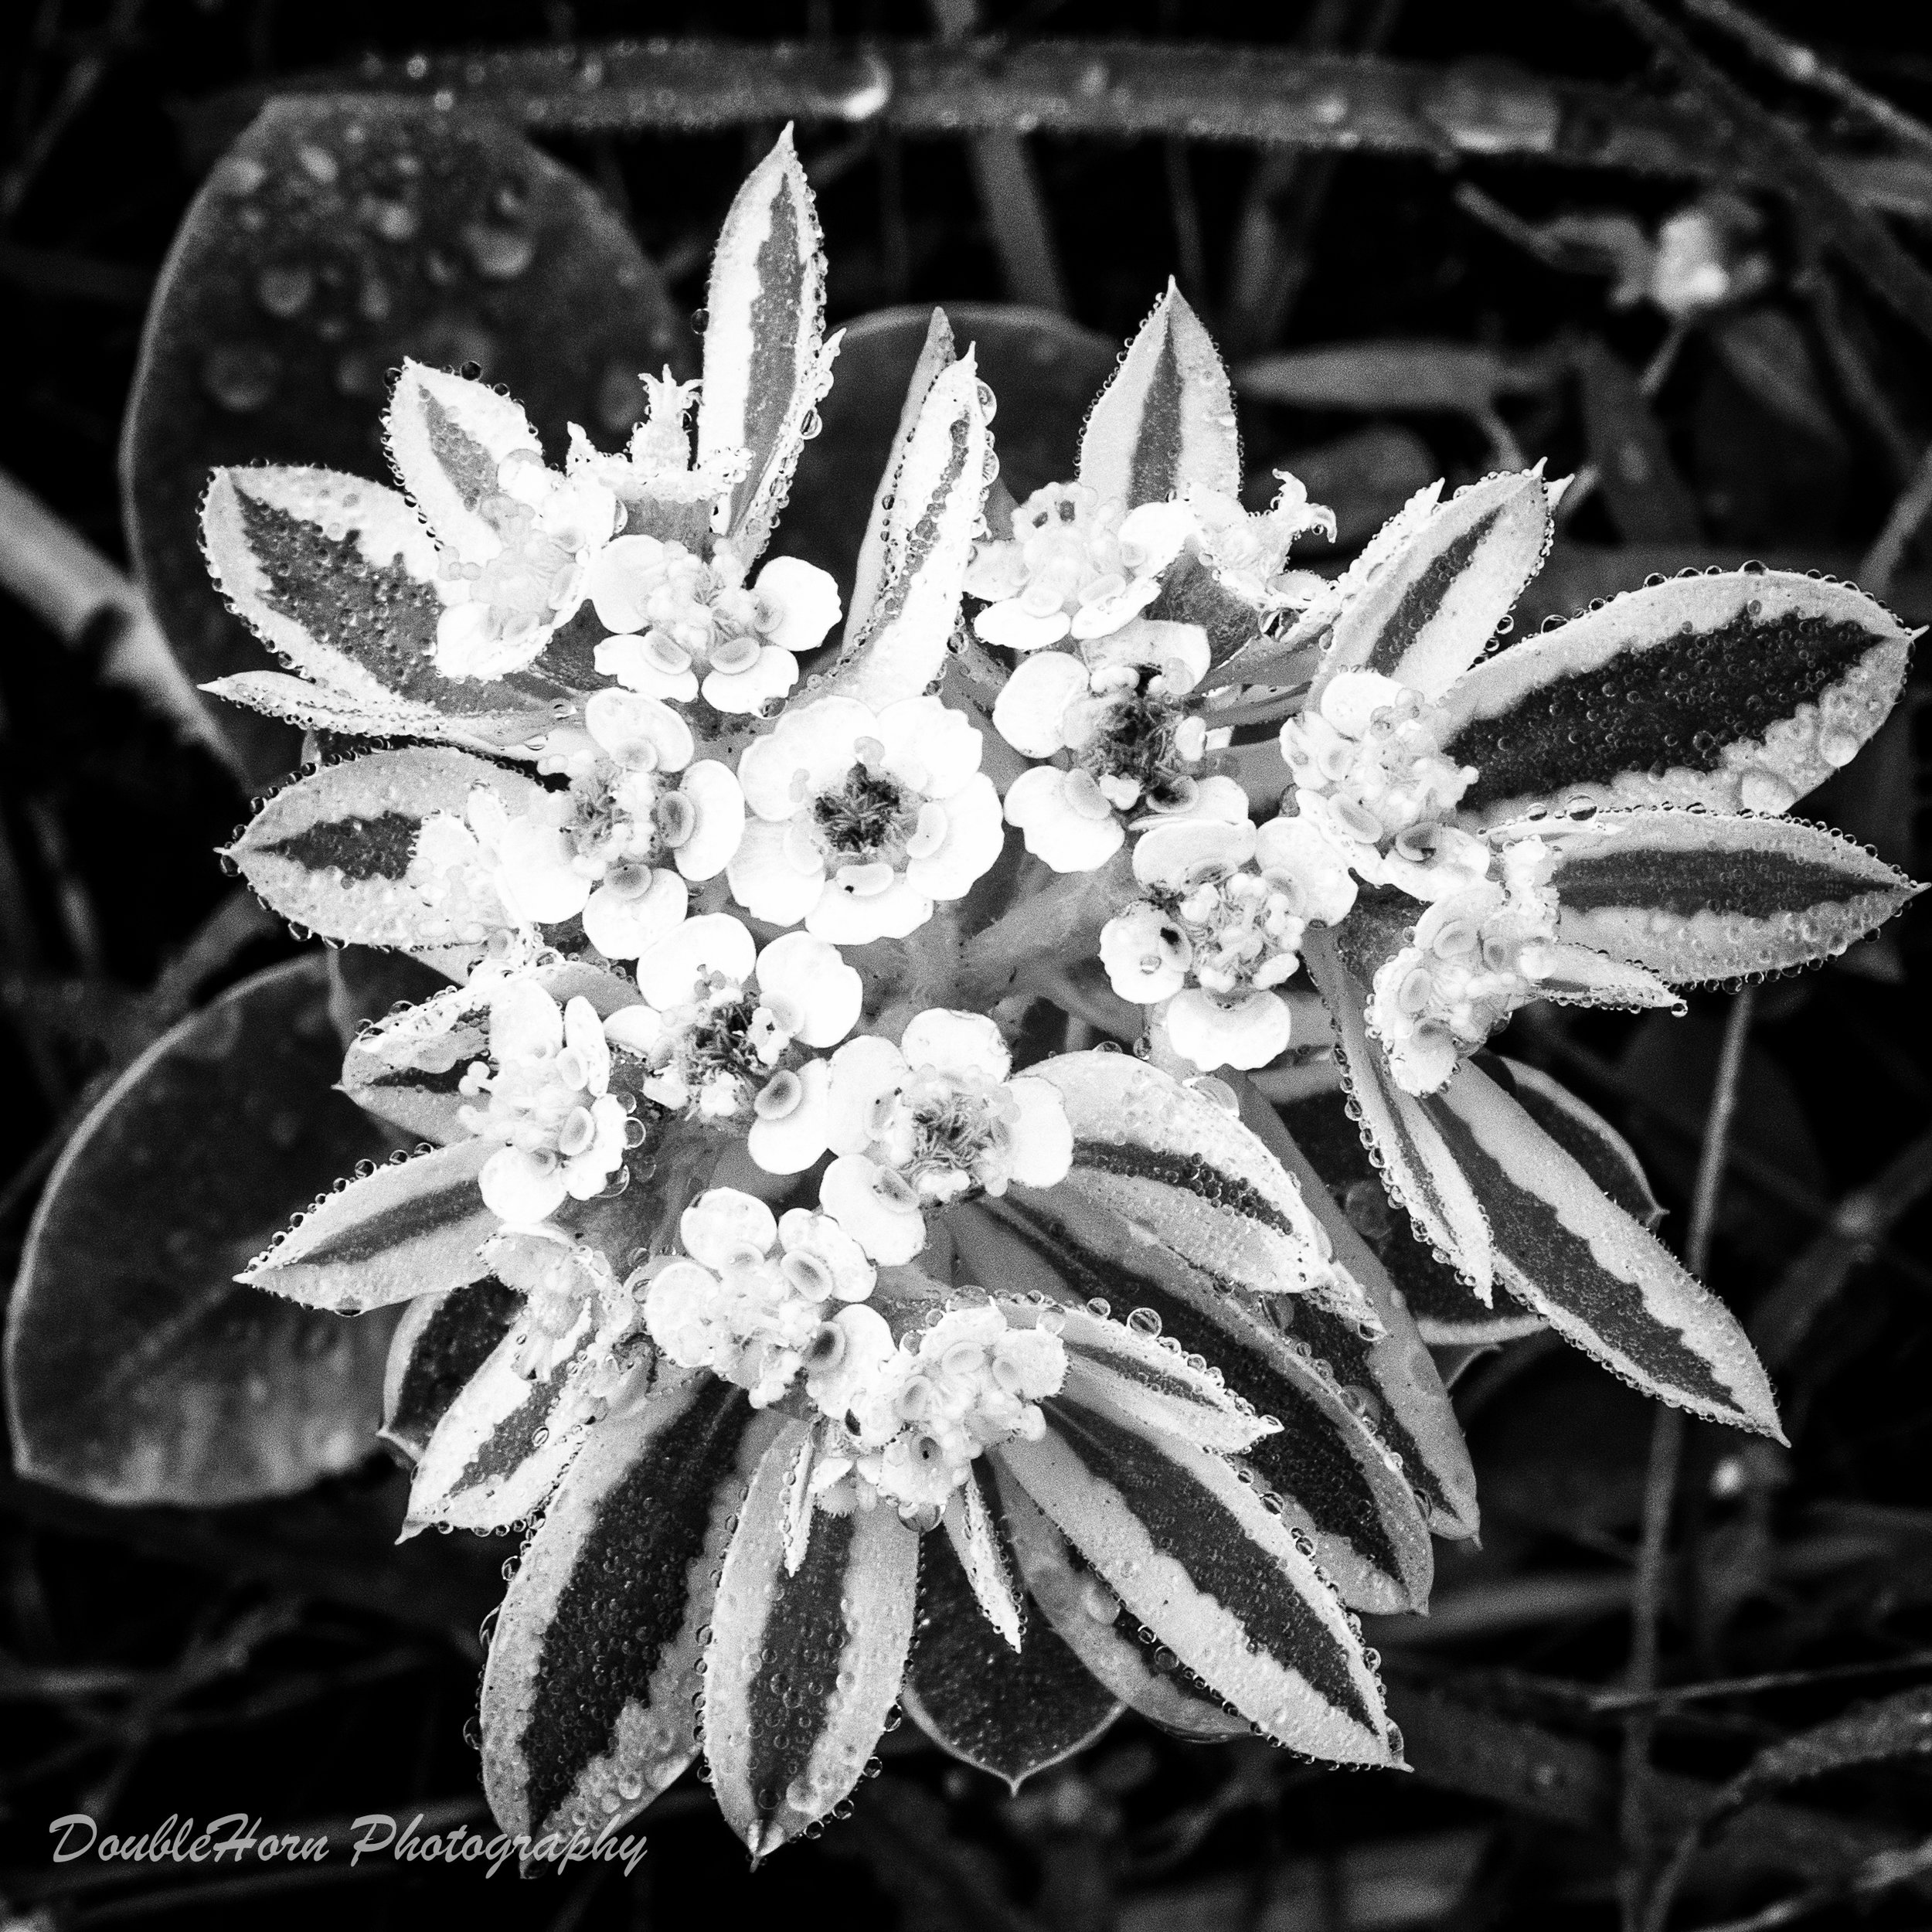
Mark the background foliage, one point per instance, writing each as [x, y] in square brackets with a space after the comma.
[1448, 296]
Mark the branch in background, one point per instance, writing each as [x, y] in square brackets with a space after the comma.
[81, 597]
[1244, 96]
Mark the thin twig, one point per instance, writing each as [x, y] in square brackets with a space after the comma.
[1660, 1482]
[1914, 505]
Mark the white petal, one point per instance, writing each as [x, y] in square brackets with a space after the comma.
[800, 1231]
[620, 577]
[975, 836]
[956, 1043]
[583, 1034]
[622, 928]
[1170, 850]
[929, 746]
[1152, 534]
[1042, 1147]
[519, 1188]
[765, 881]
[534, 874]
[848, 919]
[869, 1347]
[1246, 1032]
[1068, 840]
[747, 692]
[891, 1233]
[639, 733]
[1352, 698]
[1018, 629]
[1299, 847]
[790, 1144]
[724, 1226]
[526, 1023]
[863, 1070]
[806, 599]
[811, 976]
[669, 969]
[719, 825]
[817, 740]
[1130, 940]
[625, 659]
[634, 1029]
[1028, 711]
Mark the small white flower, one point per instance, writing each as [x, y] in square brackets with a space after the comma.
[720, 1024]
[681, 627]
[547, 1086]
[931, 1119]
[755, 1299]
[639, 820]
[1069, 570]
[863, 820]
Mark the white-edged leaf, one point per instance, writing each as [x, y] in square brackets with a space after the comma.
[1012, 1707]
[1085, 1615]
[1702, 895]
[410, 1227]
[336, 851]
[1415, 1166]
[442, 1340]
[764, 367]
[589, 1695]
[975, 1540]
[802, 1670]
[1192, 1551]
[1428, 611]
[447, 436]
[1738, 691]
[1189, 1176]
[936, 354]
[1151, 1389]
[939, 491]
[338, 578]
[1166, 420]
[1602, 1281]
[1587, 1138]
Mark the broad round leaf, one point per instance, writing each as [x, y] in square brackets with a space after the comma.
[337, 237]
[138, 1370]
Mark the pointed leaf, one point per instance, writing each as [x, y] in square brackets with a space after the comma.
[447, 437]
[335, 240]
[1131, 1378]
[1601, 1280]
[441, 1342]
[336, 851]
[1010, 1709]
[1166, 420]
[1187, 1175]
[1738, 691]
[589, 1695]
[929, 528]
[502, 1444]
[1417, 1168]
[338, 578]
[410, 1227]
[974, 1539]
[1697, 896]
[1192, 1553]
[1085, 1616]
[137, 1370]
[763, 367]
[1428, 611]
[803, 1669]
[1335, 1477]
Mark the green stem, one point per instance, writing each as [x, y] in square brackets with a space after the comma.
[1062, 923]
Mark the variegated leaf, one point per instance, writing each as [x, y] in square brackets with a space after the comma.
[936, 354]
[1190, 1178]
[336, 851]
[1192, 1552]
[938, 493]
[589, 1697]
[1430, 610]
[1390, 1380]
[1602, 1281]
[338, 577]
[408, 1068]
[1698, 896]
[1739, 691]
[973, 1535]
[1166, 420]
[1085, 1616]
[803, 1667]
[764, 367]
[502, 1445]
[410, 1227]
[1013, 1710]
[447, 437]
[442, 1341]
[1381, 1238]
[1333, 1475]
[1417, 1168]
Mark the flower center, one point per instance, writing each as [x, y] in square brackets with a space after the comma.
[867, 821]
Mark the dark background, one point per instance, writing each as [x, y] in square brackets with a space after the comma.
[146, 1665]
